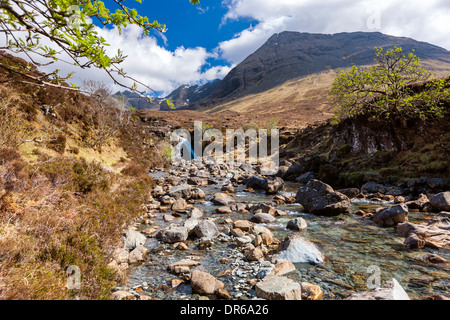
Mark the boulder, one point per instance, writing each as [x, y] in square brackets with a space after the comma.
[262, 218]
[373, 187]
[278, 288]
[350, 192]
[137, 255]
[243, 241]
[183, 266]
[179, 205]
[254, 255]
[172, 235]
[274, 184]
[206, 228]
[244, 225]
[298, 249]
[391, 290]
[122, 295]
[293, 172]
[204, 283]
[311, 291]
[297, 224]
[196, 181]
[180, 191]
[198, 194]
[283, 267]
[320, 199]
[305, 178]
[132, 239]
[223, 201]
[196, 213]
[264, 208]
[441, 201]
[435, 234]
[257, 183]
[392, 216]
[270, 184]
[418, 204]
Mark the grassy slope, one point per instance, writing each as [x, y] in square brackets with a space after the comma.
[62, 201]
[301, 101]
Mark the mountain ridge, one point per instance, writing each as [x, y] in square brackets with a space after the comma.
[292, 55]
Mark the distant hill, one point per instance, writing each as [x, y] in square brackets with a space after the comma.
[181, 97]
[290, 56]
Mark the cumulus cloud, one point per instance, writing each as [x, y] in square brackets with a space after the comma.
[148, 62]
[421, 20]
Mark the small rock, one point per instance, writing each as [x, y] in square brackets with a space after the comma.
[311, 291]
[244, 225]
[262, 218]
[122, 295]
[204, 283]
[278, 288]
[297, 224]
[179, 205]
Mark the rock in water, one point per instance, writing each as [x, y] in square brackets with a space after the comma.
[278, 288]
[177, 234]
[297, 224]
[206, 228]
[270, 184]
[392, 216]
[132, 239]
[441, 201]
[320, 199]
[204, 283]
[298, 249]
[391, 290]
[181, 191]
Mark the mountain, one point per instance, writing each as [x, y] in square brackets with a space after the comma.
[186, 95]
[138, 102]
[289, 56]
[181, 97]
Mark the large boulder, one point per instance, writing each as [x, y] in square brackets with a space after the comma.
[278, 288]
[298, 249]
[172, 235]
[206, 228]
[391, 290]
[319, 198]
[180, 191]
[441, 201]
[392, 216]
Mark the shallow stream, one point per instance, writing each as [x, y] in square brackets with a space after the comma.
[355, 247]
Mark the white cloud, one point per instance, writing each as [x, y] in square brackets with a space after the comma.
[147, 61]
[421, 20]
[159, 68]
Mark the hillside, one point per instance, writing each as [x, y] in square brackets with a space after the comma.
[291, 71]
[73, 174]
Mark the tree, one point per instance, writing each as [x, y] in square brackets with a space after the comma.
[68, 25]
[389, 89]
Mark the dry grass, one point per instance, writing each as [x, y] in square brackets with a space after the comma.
[60, 202]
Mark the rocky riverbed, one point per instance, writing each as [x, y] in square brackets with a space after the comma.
[213, 231]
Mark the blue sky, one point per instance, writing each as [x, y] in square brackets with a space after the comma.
[206, 41]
